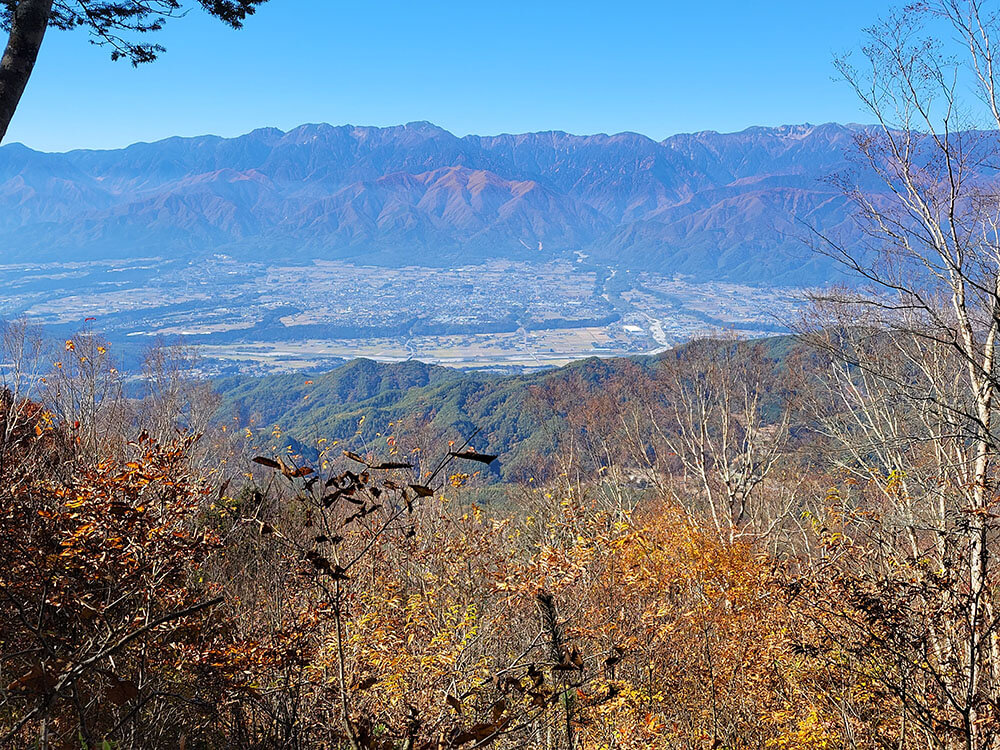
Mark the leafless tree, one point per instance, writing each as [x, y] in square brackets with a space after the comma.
[174, 396]
[86, 391]
[726, 420]
[912, 381]
[22, 363]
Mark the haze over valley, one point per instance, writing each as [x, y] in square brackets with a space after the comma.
[293, 250]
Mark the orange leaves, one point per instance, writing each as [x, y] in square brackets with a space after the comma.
[660, 612]
[653, 724]
[424, 618]
[115, 546]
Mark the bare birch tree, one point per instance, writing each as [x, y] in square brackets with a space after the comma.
[716, 423]
[912, 382]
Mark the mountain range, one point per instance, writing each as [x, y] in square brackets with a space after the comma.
[715, 206]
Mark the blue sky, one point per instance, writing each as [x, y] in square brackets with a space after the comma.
[473, 67]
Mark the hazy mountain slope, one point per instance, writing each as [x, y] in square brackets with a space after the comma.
[447, 209]
[708, 204]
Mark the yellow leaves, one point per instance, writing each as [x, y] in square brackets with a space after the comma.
[84, 530]
[806, 733]
[449, 613]
[894, 482]
[833, 497]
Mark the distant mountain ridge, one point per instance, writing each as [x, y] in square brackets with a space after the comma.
[721, 206]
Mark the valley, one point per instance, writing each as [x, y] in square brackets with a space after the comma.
[394, 437]
[256, 317]
[281, 251]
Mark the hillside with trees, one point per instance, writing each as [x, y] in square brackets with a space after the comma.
[525, 417]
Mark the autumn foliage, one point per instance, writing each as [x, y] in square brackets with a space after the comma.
[347, 604]
[699, 566]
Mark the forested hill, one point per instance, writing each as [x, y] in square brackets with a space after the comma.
[520, 417]
[356, 403]
[713, 205]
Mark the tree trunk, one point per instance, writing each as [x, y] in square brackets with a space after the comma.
[27, 28]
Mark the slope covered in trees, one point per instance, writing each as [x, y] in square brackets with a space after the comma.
[518, 416]
[708, 554]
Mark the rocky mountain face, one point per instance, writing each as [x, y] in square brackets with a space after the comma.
[721, 206]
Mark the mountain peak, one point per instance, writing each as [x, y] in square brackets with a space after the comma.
[707, 204]
[266, 132]
[424, 125]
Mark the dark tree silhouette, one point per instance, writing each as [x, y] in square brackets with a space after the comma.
[117, 24]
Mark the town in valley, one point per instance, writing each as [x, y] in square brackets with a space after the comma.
[253, 318]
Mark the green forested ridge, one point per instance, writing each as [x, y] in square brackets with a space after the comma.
[517, 416]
